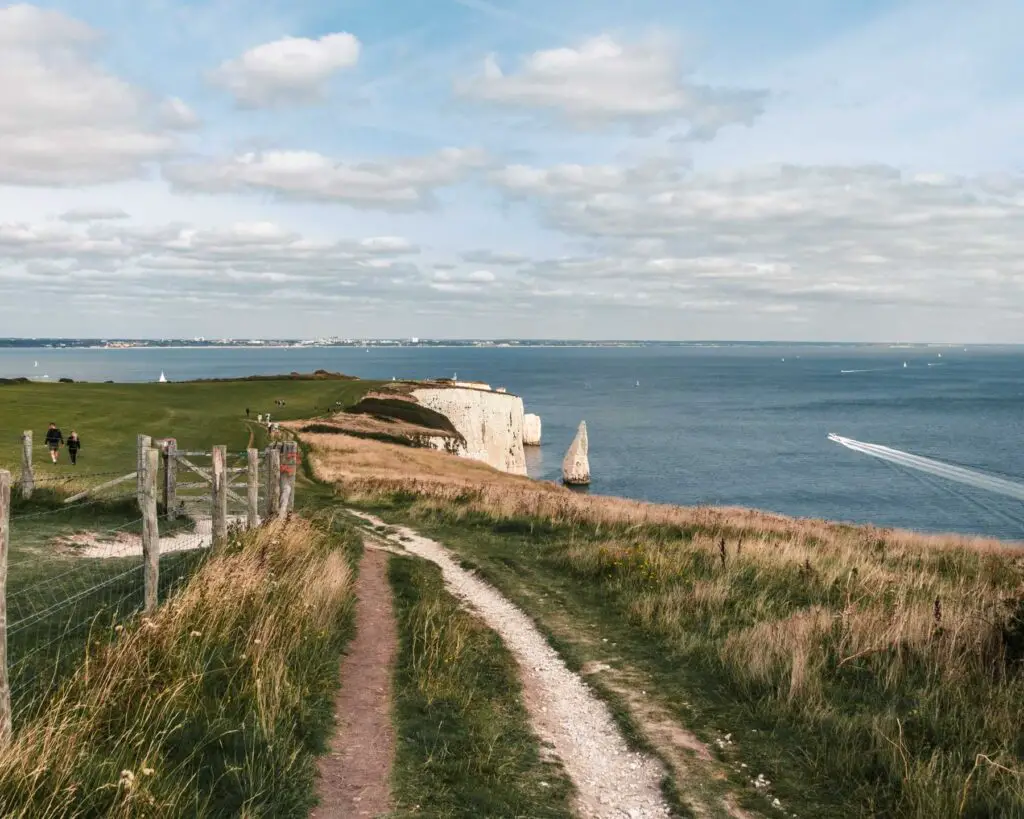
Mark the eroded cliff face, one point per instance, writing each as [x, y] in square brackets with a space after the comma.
[491, 423]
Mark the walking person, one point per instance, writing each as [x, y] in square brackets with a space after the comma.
[246, 412]
[54, 440]
[74, 444]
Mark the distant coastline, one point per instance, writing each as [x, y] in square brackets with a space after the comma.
[306, 344]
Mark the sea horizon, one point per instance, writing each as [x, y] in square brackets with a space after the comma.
[697, 425]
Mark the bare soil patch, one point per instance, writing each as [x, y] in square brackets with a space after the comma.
[126, 544]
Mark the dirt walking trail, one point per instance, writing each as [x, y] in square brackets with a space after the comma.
[612, 781]
[354, 773]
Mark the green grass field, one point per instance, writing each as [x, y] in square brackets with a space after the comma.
[108, 417]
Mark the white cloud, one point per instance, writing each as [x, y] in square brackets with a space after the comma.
[64, 120]
[405, 183]
[102, 257]
[789, 235]
[176, 114]
[387, 244]
[92, 214]
[604, 80]
[26, 26]
[289, 71]
[493, 257]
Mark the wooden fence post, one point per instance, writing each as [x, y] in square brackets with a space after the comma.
[253, 485]
[144, 443]
[28, 478]
[220, 495]
[289, 463]
[265, 478]
[170, 487]
[273, 481]
[150, 531]
[5, 543]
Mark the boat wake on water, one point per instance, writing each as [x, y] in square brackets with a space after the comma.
[951, 472]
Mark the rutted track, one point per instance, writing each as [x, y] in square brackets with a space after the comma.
[611, 780]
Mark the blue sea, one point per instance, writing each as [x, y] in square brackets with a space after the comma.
[732, 424]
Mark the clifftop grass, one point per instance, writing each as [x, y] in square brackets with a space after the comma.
[883, 671]
[108, 417]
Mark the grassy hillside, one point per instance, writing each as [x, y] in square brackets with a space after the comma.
[861, 672]
[108, 417]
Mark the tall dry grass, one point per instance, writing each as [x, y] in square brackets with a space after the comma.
[897, 657]
[371, 468]
[211, 707]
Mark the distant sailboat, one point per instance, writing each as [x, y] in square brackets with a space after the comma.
[163, 378]
[904, 363]
[638, 383]
[36, 364]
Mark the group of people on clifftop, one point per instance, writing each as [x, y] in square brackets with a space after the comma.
[55, 441]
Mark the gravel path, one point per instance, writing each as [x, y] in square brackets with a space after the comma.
[612, 781]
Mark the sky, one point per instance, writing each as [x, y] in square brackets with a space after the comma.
[779, 170]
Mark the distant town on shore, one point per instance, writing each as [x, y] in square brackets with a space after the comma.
[199, 341]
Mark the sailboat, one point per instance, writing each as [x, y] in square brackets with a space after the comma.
[904, 363]
[163, 378]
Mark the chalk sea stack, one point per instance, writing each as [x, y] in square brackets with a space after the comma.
[576, 466]
[531, 430]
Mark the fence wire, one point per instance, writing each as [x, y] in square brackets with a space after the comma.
[75, 570]
[75, 574]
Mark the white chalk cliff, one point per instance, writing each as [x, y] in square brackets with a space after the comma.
[490, 422]
[531, 429]
[576, 465]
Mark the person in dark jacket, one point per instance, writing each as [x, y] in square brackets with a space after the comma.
[74, 444]
[54, 440]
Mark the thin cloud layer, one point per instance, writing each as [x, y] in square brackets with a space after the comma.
[789, 236]
[406, 183]
[603, 80]
[92, 214]
[289, 71]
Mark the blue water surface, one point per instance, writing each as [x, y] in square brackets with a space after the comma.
[738, 425]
